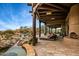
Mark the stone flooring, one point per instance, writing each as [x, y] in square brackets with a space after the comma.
[54, 48]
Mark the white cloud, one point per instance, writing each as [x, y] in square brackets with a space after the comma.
[8, 25]
[15, 21]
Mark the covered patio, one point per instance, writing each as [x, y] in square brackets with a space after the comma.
[56, 15]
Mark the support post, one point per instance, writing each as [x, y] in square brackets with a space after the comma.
[55, 30]
[34, 40]
[63, 30]
[39, 28]
[49, 29]
[45, 29]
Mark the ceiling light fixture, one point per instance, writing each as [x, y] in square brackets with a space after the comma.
[48, 13]
[52, 18]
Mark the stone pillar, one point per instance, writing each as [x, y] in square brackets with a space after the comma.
[74, 19]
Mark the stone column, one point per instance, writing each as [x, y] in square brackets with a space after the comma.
[74, 19]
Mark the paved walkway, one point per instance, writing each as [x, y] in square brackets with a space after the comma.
[54, 48]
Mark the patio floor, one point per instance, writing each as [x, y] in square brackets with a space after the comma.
[54, 48]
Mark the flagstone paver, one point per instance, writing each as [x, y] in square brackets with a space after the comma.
[54, 48]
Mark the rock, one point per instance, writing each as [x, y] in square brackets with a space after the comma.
[74, 35]
[11, 40]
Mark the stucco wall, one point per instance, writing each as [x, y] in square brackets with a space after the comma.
[74, 19]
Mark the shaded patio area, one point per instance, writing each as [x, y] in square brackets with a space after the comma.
[54, 48]
[63, 16]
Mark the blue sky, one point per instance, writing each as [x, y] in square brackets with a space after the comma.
[13, 16]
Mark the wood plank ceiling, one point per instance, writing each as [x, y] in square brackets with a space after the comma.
[53, 13]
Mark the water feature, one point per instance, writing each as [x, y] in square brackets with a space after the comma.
[15, 51]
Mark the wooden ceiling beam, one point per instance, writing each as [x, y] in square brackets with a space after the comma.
[56, 6]
[55, 20]
[47, 8]
[49, 17]
[46, 5]
[55, 23]
[52, 24]
[35, 6]
[42, 10]
[52, 19]
[53, 14]
[47, 11]
[52, 11]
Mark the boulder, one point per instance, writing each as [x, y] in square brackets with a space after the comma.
[74, 35]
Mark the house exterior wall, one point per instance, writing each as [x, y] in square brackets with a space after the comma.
[74, 19]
